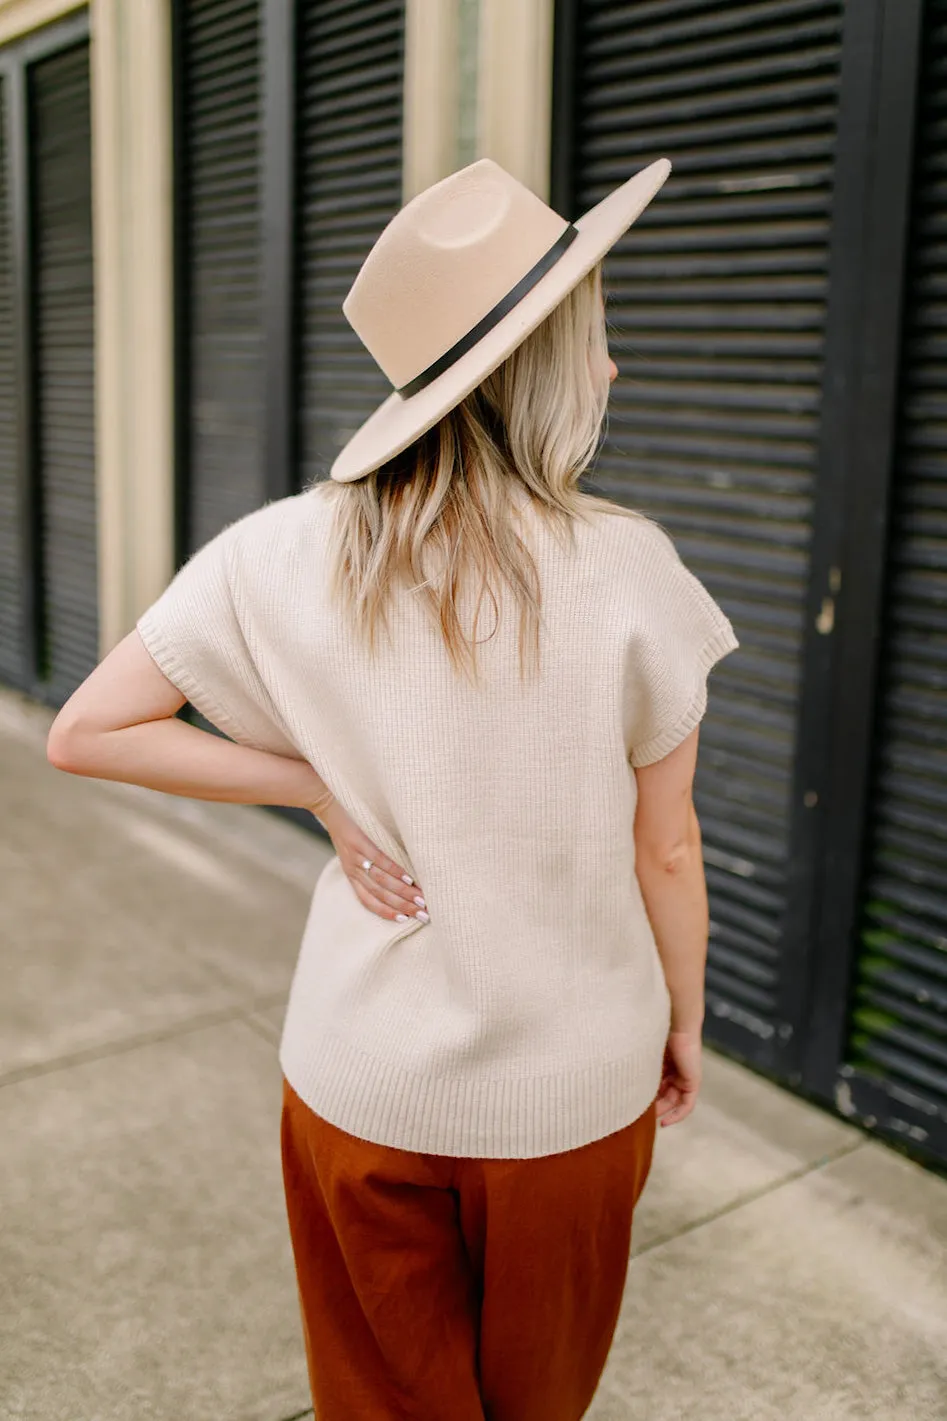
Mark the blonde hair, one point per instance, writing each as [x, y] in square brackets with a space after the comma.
[532, 427]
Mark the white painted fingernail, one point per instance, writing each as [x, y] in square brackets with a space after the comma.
[401, 917]
[423, 916]
[420, 902]
[406, 878]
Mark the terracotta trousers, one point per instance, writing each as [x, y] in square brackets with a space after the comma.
[444, 1289]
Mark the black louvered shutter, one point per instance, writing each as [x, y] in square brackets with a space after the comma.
[350, 114]
[899, 1026]
[11, 570]
[717, 300]
[218, 56]
[63, 314]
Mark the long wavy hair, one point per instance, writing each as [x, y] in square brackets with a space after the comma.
[529, 430]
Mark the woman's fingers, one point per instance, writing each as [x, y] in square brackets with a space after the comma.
[674, 1104]
[668, 1098]
[680, 1078]
[390, 890]
[679, 1113]
[386, 905]
[390, 884]
[383, 887]
[677, 1095]
[384, 871]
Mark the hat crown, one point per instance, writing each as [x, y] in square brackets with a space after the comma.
[443, 262]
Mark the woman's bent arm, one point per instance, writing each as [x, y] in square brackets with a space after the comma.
[121, 725]
[670, 869]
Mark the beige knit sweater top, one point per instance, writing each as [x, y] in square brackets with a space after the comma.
[529, 1015]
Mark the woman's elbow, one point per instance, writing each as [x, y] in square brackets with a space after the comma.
[671, 854]
[68, 746]
[60, 751]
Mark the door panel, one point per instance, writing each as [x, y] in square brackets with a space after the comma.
[63, 369]
[717, 305]
[351, 60]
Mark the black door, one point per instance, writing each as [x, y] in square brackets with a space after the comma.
[220, 386]
[717, 304]
[342, 122]
[60, 125]
[895, 1063]
[48, 506]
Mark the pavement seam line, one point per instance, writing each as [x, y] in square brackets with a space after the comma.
[271, 1040]
[753, 1195]
[132, 1043]
[298, 1415]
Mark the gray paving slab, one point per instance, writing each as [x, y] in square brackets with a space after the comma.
[824, 1300]
[144, 1246]
[903, 1203]
[122, 917]
[744, 1135]
[237, 919]
[86, 962]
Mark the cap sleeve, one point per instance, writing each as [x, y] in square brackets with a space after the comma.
[680, 634]
[194, 634]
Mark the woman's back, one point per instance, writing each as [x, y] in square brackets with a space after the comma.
[535, 993]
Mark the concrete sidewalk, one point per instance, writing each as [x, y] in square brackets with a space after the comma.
[786, 1267]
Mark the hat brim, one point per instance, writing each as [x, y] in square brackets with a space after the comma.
[398, 422]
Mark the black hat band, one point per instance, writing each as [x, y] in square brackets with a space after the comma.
[493, 317]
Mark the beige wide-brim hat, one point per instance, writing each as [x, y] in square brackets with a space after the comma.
[456, 281]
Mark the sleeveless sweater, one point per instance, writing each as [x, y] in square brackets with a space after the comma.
[529, 1015]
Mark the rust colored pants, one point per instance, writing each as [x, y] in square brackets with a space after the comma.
[444, 1289]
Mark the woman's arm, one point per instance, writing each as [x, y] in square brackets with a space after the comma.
[670, 871]
[670, 868]
[121, 725]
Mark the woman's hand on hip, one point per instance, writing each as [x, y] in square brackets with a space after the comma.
[680, 1078]
[382, 888]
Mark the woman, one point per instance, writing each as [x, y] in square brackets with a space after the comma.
[499, 991]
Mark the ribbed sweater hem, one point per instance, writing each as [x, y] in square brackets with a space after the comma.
[508, 1117]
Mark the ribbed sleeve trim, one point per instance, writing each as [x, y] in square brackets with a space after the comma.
[187, 683]
[719, 644]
